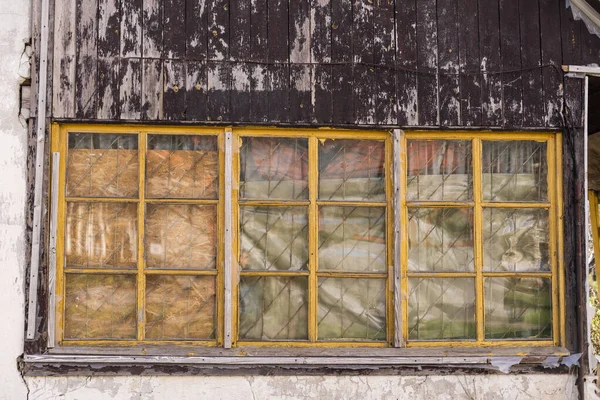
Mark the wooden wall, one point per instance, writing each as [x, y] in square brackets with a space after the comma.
[429, 63]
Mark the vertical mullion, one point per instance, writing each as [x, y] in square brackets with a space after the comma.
[403, 238]
[313, 222]
[141, 214]
[550, 155]
[478, 236]
[394, 249]
[227, 264]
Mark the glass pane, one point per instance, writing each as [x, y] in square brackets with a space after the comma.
[352, 170]
[274, 168]
[180, 307]
[101, 235]
[100, 306]
[185, 167]
[439, 170]
[515, 240]
[181, 236]
[351, 309]
[102, 165]
[274, 238]
[440, 239]
[441, 309]
[514, 171]
[352, 239]
[273, 308]
[518, 308]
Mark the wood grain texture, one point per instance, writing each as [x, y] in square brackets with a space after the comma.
[131, 28]
[219, 29]
[469, 63]
[130, 88]
[427, 63]
[196, 90]
[86, 71]
[512, 82]
[531, 61]
[152, 89]
[152, 28]
[64, 59]
[406, 62]
[489, 52]
[196, 31]
[448, 58]
[174, 90]
[174, 29]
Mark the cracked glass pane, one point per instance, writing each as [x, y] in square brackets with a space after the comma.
[351, 308]
[181, 236]
[439, 170]
[180, 307]
[101, 235]
[180, 166]
[518, 308]
[102, 165]
[440, 239]
[99, 306]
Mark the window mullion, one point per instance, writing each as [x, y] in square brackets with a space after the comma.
[478, 242]
[228, 240]
[398, 148]
[313, 223]
[52, 253]
[141, 262]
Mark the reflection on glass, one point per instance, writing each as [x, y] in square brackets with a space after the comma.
[99, 306]
[439, 170]
[102, 165]
[181, 236]
[273, 308]
[518, 308]
[352, 170]
[180, 166]
[180, 307]
[273, 238]
[351, 309]
[101, 235]
[440, 239]
[515, 240]
[274, 168]
[514, 171]
[352, 239]
[440, 309]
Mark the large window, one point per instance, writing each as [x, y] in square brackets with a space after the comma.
[262, 237]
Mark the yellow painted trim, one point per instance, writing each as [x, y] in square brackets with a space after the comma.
[133, 342]
[101, 271]
[405, 294]
[306, 343]
[560, 245]
[389, 239]
[352, 203]
[272, 203]
[313, 238]
[440, 204]
[207, 202]
[220, 267]
[354, 275]
[58, 144]
[497, 136]
[273, 273]
[478, 239]
[516, 205]
[135, 129]
[102, 200]
[184, 272]
[141, 278]
[487, 343]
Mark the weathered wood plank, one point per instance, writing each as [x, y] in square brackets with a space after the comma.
[239, 40]
[320, 31]
[279, 109]
[571, 33]
[300, 92]
[278, 32]
[152, 89]
[364, 73]
[342, 93]
[130, 88]
[384, 53]
[533, 93]
[322, 75]
[109, 27]
[469, 63]
[86, 75]
[299, 29]
[219, 30]
[341, 31]
[174, 29]
[363, 32]
[196, 30]
[63, 102]
[259, 31]
[427, 83]
[196, 91]
[219, 86]
[152, 28]
[406, 62]
[512, 82]
[131, 28]
[489, 51]
[448, 53]
[240, 92]
[259, 92]
[174, 92]
[109, 107]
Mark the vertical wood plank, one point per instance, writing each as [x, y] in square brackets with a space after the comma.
[342, 82]
[109, 106]
[196, 91]
[489, 51]
[320, 31]
[259, 92]
[218, 25]
[152, 89]
[364, 73]
[406, 62]
[63, 102]
[278, 30]
[196, 30]
[109, 26]
[571, 32]
[448, 53]
[174, 90]
[240, 92]
[322, 76]
[218, 96]
[341, 53]
[533, 93]
[300, 93]
[384, 41]
[427, 84]
[131, 28]
[259, 30]
[279, 109]
[174, 29]
[341, 31]
[550, 38]
[239, 40]
[469, 63]
[130, 88]
[86, 70]
[299, 29]
[512, 82]
[152, 28]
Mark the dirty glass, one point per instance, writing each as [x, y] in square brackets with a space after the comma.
[182, 166]
[352, 239]
[440, 239]
[274, 168]
[99, 306]
[180, 307]
[181, 236]
[439, 170]
[518, 308]
[514, 171]
[102, 165]
[515, 240]
[274, 238]
[351, 308]
[441, 308]
[273, 308]
[351, 170]
[101, 235]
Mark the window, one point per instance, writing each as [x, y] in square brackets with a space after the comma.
[145, 254]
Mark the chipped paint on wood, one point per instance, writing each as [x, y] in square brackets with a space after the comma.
[64, 59]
